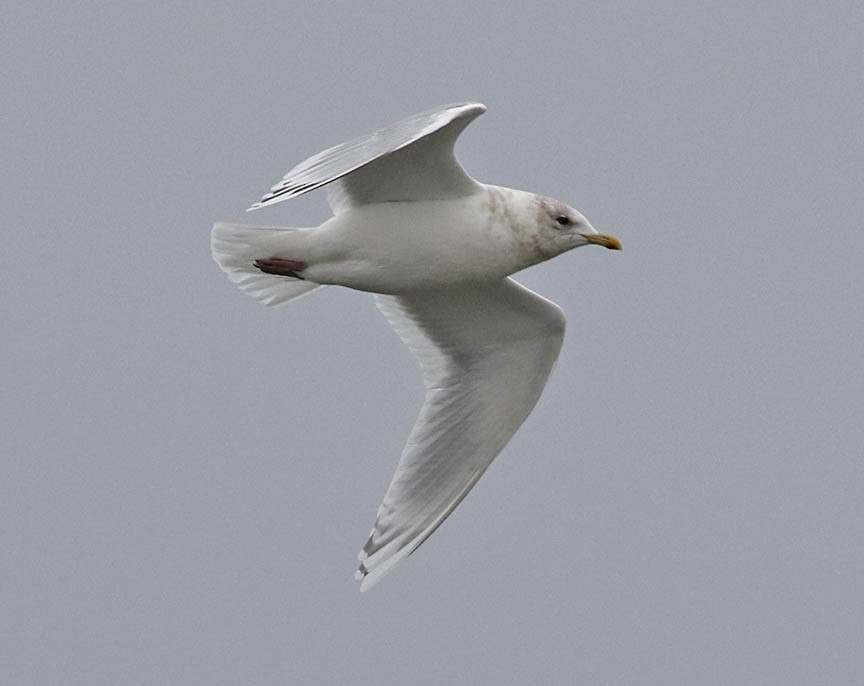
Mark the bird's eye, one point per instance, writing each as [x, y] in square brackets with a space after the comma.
[562, 220]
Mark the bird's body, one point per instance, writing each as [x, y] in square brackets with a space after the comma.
[438, 248]
[400, 246]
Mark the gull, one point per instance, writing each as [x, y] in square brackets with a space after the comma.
[437, 249]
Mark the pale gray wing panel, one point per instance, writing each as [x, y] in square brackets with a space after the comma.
[412, 159]
[486, 354]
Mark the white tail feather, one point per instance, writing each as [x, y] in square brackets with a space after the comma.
[236, 246]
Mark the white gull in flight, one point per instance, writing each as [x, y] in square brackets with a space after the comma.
[437, 248]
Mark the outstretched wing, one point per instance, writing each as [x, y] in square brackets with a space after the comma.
[410, 160]
[486, 354]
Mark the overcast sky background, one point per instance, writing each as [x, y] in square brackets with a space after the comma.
[187, 476]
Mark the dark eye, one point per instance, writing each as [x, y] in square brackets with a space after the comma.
[562, 220]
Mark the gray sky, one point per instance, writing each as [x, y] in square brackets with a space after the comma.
[187, 476]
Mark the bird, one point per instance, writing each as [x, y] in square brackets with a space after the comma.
[438, 251]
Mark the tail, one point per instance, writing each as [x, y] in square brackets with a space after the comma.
[236, 246]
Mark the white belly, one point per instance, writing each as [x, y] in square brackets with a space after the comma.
[398, 247]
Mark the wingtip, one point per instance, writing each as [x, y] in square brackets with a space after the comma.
[359, 573]
[264, 202]
[366, 581]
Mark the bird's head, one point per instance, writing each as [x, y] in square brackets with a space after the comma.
[562, 228]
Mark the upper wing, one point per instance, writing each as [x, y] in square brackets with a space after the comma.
[410, 160]
[486, 353]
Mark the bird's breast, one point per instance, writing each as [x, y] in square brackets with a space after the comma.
[404, 246]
